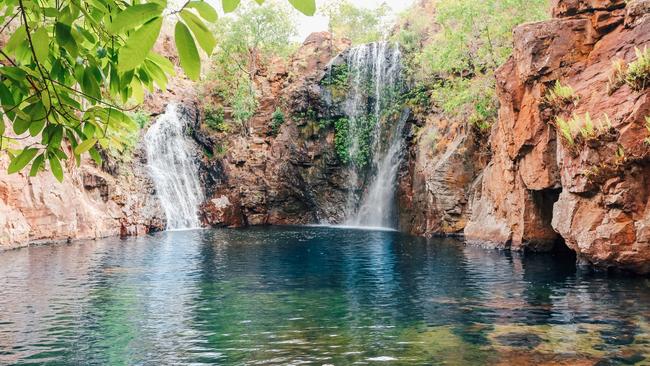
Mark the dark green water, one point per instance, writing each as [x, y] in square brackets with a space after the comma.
[313, 296]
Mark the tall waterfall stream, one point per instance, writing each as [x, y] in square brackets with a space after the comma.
[173, 170]
[375, 81]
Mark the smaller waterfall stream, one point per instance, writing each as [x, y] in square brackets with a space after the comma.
[173, 170]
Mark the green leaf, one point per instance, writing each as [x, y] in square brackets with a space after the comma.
[229, 5]
[2, 125]
[37, 165]
[64, 38]
[137, 47]
[36, 127]
[138, 91]
[307, 7]
[85, 146]
[55, 165]
[95, 155]
[206, 11]
[187, 52]
[41, 42]
[163, 62]
[89, 130]
[157, 74]
[21, 160]
[89, 84]
[56, 137]
[14, 73]
[16, 39]
[202, 34]
[114, 82]
[6, 98]
[134, 16]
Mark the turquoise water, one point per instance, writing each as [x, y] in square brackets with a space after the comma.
[315, 296]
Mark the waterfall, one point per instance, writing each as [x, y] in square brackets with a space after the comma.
[376, 124]
[173, 169]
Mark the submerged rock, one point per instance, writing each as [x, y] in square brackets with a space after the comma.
[519, 340]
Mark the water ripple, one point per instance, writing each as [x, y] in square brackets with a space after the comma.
[313, 295]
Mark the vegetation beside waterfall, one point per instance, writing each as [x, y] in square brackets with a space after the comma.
[452, 64]
[71, 68]
[248, 41]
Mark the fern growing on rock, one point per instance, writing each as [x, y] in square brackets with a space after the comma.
[560, 95]
[636, 74]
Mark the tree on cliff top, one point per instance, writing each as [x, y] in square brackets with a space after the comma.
[360, 25]
[70, 66]
[248, 41]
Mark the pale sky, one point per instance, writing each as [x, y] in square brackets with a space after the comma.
[317, 23]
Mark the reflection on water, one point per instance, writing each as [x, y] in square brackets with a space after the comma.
[314, 296]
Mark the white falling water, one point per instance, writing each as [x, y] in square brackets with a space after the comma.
[173, 170]
[375, 71]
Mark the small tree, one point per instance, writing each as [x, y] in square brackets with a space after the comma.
[246, 43]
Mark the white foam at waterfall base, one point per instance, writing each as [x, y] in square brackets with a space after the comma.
[174, 171]
[380, 64]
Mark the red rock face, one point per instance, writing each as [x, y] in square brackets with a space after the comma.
[89, 204]
[538, 188]
[443, 160]
[290, 178]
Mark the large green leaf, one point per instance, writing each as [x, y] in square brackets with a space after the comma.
[6, 98]
[85, 146]
[89, 84]
[162, 62]
[55, 165]
[137, 92]
[187, 52]
[229, 5]
[36, 166]
[36, 127]
[157, 74]
[21, 160]
[202, 34]
[138, 45]
[64, 38]
[206, 11]
[307, 7]
[41, 42]
[134, 16]
[16, 39]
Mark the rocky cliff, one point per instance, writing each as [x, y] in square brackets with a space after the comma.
[587, 186]
[89, 204]
[444, 158]
[291, 176]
